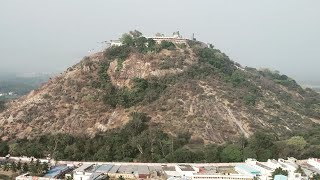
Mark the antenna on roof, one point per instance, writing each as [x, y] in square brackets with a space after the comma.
[193, 38]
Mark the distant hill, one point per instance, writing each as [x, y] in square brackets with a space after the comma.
[312, 84]
[21, 85]
[181, 87]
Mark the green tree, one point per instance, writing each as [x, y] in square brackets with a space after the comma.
[237, 78]
[151, 45]
[250, 99]
[315, 177]
[6, 167]
[25, 167]
[19, 165]
[248, 153]
[181, 155]
[167, 45]
[141, 44]
[231, 153]
[263, 145]
[2, 105]
[4, 149]
[13, 167]
[279, 171]
[135, 34]
[127, 39]
[300, 170]
[45, 167]
[211, 153]
[33, 169]
[297, 142]
[38, 163]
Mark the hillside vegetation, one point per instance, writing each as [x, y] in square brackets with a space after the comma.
[189, 89]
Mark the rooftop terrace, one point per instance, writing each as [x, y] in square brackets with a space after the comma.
[248, 169]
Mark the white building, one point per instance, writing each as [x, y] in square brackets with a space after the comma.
[83, 172]
[28, 177]
[266, 171]
[314, 162]
[174, 39]
[170, 172]
[115, 43]
[186, 170]
[221, 176]
[288, 165]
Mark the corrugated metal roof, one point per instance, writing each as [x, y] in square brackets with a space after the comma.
[83, 167]
[94, 176]
[168, 168]
[127, 169]
[264, 166]
[155, 168]
[56, 171]
[143, 170]
[186, 168]
[104, 168]
[114, 169]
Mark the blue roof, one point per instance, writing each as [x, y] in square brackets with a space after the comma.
[280, 177]
[56, 171]
[248, 169]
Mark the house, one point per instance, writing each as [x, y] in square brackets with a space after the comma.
[247, 170]
[266, 171]
[170, 172]
[100, 171]
[213, 172]
[58, 171]
[173, 39]
[267, 168]
[83, 172]
[314, 162]
[115, 43]
[127, 171]
[27, 176]
[222, 176]
[186, 170]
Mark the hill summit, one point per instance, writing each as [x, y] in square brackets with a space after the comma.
[183, 85]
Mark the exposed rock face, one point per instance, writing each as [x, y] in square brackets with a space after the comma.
[208, 107]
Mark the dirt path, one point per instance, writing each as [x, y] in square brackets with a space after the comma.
[238, 123]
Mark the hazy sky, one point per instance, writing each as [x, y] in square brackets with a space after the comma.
[51, 35]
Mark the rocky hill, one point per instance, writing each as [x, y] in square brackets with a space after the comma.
[183, 88]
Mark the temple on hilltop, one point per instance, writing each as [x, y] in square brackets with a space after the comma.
[175, 38]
